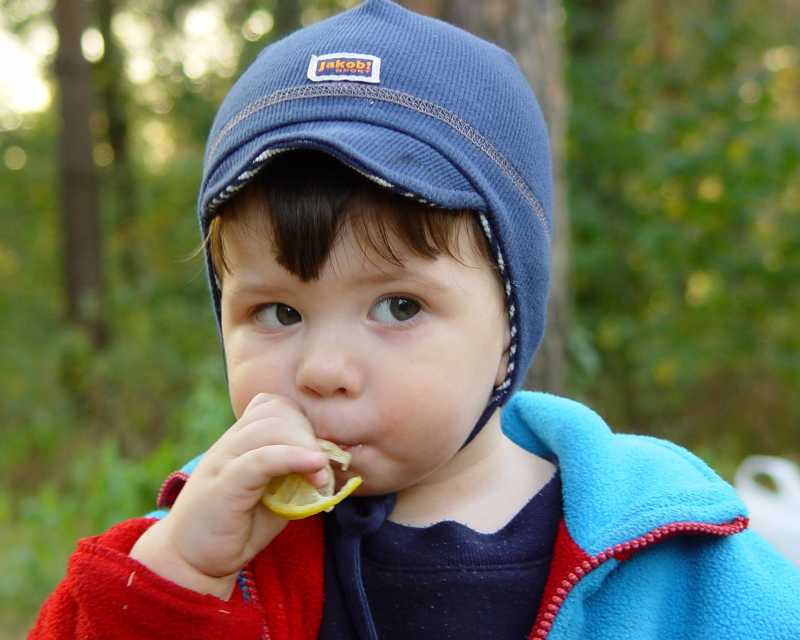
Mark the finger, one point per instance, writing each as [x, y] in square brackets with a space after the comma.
[266, 404]
[261, 398]
[251, 410]
[272, 430]
[319, 478]
[255, 468]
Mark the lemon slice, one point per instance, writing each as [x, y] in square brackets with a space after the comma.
[293, 497]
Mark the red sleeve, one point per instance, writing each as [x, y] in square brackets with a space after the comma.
[107, 594]
[290, 578]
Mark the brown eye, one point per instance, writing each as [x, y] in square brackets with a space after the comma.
[396, 309]
[403, 308]
[276, 314]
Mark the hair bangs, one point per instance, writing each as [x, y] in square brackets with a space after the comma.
[307, 199]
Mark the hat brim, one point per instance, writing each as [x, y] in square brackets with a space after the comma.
[392, 158]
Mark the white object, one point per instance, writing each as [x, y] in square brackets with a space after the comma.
[775, 515]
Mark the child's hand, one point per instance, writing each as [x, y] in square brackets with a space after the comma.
[218, 523]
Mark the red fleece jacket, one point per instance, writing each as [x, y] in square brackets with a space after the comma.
[107, 594]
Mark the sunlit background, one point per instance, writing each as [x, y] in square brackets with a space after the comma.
[682, 182]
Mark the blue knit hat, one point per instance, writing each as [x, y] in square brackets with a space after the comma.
[420, 107]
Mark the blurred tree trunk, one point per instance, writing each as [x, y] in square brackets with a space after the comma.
[663, 22]
[532, 31]
[79, 210]
[122, 185]
[287, 15]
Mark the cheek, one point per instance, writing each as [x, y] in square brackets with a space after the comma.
[240, 396]
[252, 371]
[426, 418]
[464, 364]
[241, 389]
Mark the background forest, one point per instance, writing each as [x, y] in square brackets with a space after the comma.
[677, 130]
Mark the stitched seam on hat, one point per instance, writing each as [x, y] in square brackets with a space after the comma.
[502, 389]
[402, 99]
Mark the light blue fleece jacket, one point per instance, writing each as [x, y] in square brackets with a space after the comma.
[681, 582]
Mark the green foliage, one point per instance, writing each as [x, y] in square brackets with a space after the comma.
[683, 153]
[101, 485]
[78, 457]
[684, 189]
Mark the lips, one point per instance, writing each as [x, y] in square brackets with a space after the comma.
[329, 434]
[335, 427]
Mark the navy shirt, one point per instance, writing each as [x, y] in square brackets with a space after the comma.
[448, 581]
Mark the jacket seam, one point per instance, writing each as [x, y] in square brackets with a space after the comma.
[551, 606]
[624, 533]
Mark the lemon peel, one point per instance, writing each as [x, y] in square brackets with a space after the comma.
[293, 497]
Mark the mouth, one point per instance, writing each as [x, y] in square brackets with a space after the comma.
[340, 454]
[343, 473]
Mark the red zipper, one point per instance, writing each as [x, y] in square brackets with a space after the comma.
[252, 591]
[622, 552]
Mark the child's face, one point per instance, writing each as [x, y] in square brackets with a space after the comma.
[396, 363]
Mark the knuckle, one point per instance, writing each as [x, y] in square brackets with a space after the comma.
[262, 398]
[285, 405]
[265, 461]
[267, 456]
[275, 403]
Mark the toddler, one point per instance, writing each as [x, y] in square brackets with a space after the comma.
[376, 214]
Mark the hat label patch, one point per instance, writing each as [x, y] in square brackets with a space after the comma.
[338, 67]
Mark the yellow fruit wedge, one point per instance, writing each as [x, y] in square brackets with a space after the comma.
[293, 497]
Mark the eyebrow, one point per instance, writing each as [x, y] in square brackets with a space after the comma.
[257, 288]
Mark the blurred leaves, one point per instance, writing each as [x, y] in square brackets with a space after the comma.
[684, 191]
[684, 158]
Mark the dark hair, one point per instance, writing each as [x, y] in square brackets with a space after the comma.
[305, 198]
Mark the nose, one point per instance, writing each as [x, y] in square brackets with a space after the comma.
[328, 367]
